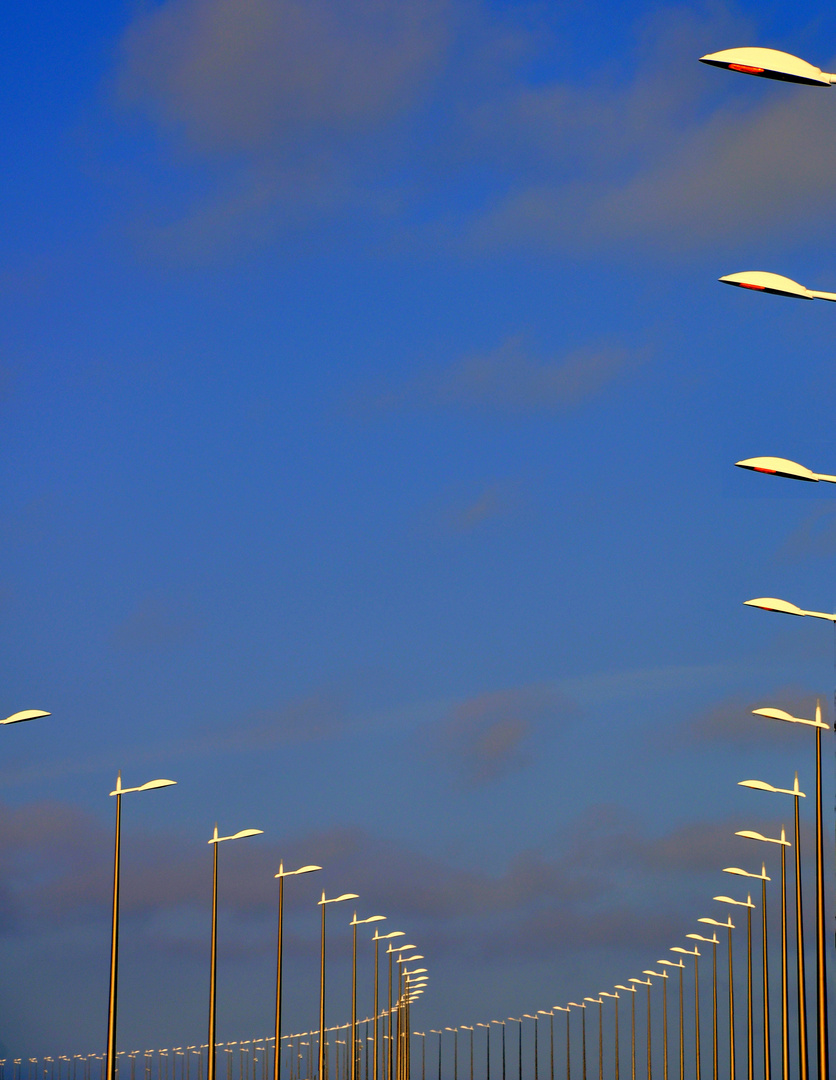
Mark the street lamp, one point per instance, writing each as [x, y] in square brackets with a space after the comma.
[603, 994]
[777, 284]
[575, 1005]
[821, 963]
[750, 834]
[455, 1031]
[729, 926]
[713, 942]
[282, 874]
[769, 64]
[110, 1073]
[681, 966]
[564, 1008]
[355, 922]
[633, 991]
[663, 975]
[469, 1027]
[402, 1017]
[771, 603]
[696, 955]
[213, 973]
[518, 1020]
[380, 937]
[790, 470]
[528, 1016]
[599, 1002]
[747, 903]
[502, 1022]
[390, 1051]
[760, 785]
[648, 984]
[550, 1014]
[767, 1052]
[323, 903]
[27, 714]
[487, 1028]
[434, 1031]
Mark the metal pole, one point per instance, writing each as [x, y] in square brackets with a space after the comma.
[213, 971]
[277, 1047]
[354, 1000]
[114, 944]
[321, 1064]
[803, 1064]
[821, 953]
[731, 1009]
[767, 1049]
[750, 1045]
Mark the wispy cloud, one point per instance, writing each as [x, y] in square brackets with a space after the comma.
[489, 736]
[511, 379]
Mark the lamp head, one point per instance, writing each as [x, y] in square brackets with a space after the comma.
[769, 64]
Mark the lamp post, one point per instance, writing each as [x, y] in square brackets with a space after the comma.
[469, 1027]
[681, 966]
[795, 791]
[564, 1008]
[110, 1067]
[599, 1002]
[750, 834]
[749, 1029]
[575, 1005]
[616, 1054]
[455, 1031]
[487, 1028]
[439, 1033]
[377, 938]
[282, 874]
[390, 1052]
[550, 1014]
[402, 1017]
[663, 975]
[518, 1020]
[821, 954]
[732, 1056]
[502, 1022]
[213, 972]
[714, 943]
[528, 1016]
[767, 1050]
[696, 955]
[633, 991]
[648, 984]
[355, 922]
[323, 904]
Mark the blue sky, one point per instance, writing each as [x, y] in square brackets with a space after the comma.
[369, 406]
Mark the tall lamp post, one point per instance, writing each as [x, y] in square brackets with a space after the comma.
[732, 1056]
[574, 1005]
[323, 903]
[216, 841]
[681, 966]
[750, 834]
[502, 1022]
[767, 1050]
[696, 955]
[797, 793]
[633, 991]
[565, 1008]
[714, 943]
[487, 1028]
[377, 938]
[455, 1031]
[390, 1051]
[355, 922]
[663, 975]
[821, 952]
[749, 1028]
[282, 874]
[528, 1016]
[114, 932]
[616, 1053]
[599, 1002]
[648, 984]
[550, 1014]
